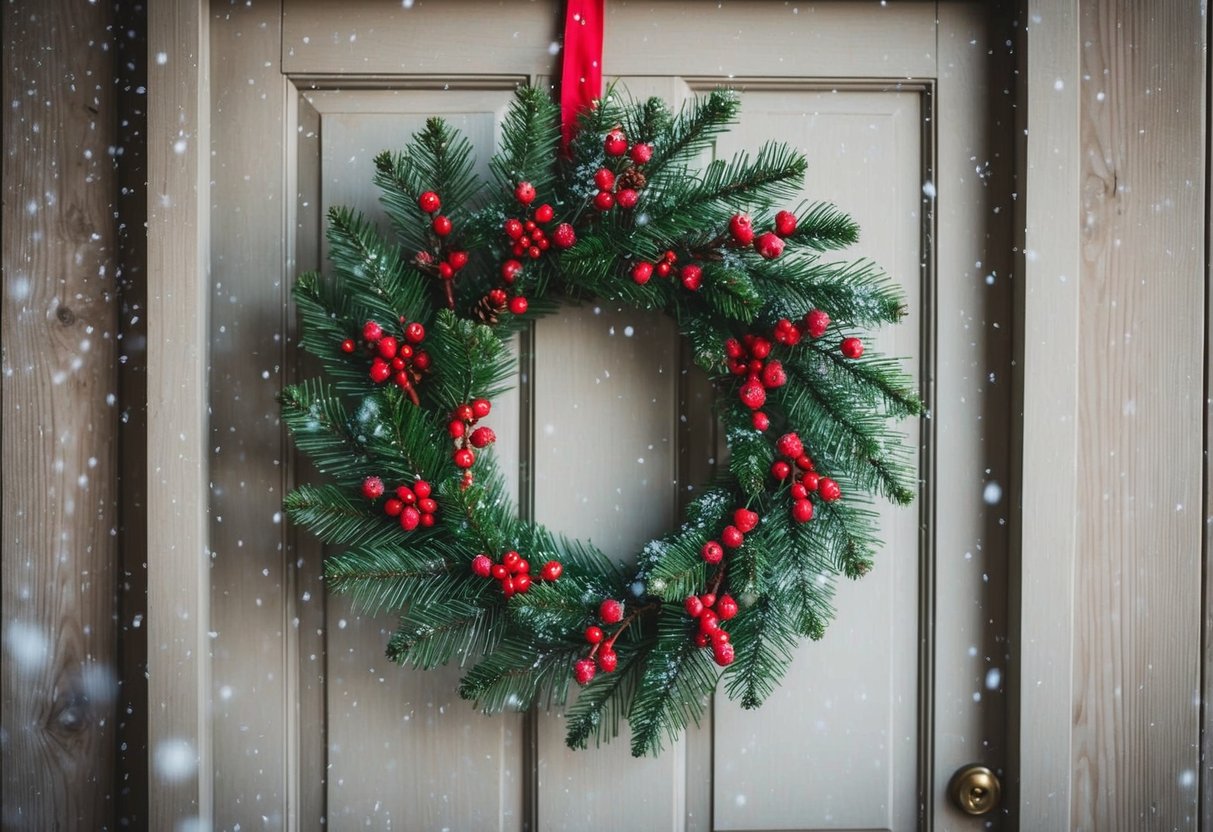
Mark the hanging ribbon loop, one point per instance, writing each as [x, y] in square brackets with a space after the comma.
[581, 76]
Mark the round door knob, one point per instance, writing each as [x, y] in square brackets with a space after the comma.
[975, 790]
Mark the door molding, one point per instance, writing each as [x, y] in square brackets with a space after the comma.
[1046, 359]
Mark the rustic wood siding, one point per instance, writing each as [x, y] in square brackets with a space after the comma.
[59, 324]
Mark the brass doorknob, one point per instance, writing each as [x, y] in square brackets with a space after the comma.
[975, 790]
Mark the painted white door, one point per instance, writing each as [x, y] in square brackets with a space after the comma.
[891, 106]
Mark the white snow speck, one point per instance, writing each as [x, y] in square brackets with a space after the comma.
[993, 678]
[992, 493]
[175, 760]
[26, 644]
[161, 58]
[928, 189]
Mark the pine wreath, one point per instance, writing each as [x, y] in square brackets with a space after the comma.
[410, 330]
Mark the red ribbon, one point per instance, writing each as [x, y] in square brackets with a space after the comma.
[581, 78]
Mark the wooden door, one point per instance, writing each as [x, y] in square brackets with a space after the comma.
[891, 106]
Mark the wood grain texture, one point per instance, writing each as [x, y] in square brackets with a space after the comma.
[1141, 335]
[178, 598]
[59, 322]
[1046, 382]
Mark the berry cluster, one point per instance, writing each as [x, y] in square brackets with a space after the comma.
[733, 536]
[401, 362]
[751, 357]
[690, 275]
[709, 611]
[796, 460]
[513, 571]
[466, 437]
[446, 260]
[602, 653]
[769, 244]
[413, 505]
[622, 185]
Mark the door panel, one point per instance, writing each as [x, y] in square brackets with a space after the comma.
[864, 730]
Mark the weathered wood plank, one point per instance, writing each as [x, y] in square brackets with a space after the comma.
[59, 321]
[1137, 604]
[178, 602]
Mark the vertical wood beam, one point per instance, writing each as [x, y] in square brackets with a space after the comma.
[1137, 596]
[178, 156]
[1047, 366]
[58, 322]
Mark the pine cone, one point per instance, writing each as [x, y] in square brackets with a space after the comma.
[631, 178]
[486, 312]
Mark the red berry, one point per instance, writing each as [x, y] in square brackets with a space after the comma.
[482, 566]
[348, 345]
[483, 437]
[510, 270]
[524, 192]
[604, 201]
[773, 375]
[627, 198]
[441, 225]
[726, 607]
[593, 634]
[760, 348]
[583, 671]
[810, 481]
[604, 179]
[641, 153]
[663, 269]
[708, 600]
[733, 348]
[608, 660]
[615, 143]
[372, 488]
[691, 276]
[711, 551]
[387, 346]
[564, 236]
[422, 361]
[828, 489]
[518, 305]
[522, 582]
[426, 506]
[804, 463]
[402, 379]
[702, 639]
[694, 606]
[709, 622]
[720, 637]
[742, 229]
[544, 213]
[552, 570]
[610, 611]
[802, 511]
[456, 428]
[422, 489]
[760, 421]
[381, 371]
[513, 228]
[498, 298]
[465, 412]
[753, 394]
[393, 507]
[507, 586]
[642, 272]
[780, 470]
[510, 560]
[789, 445]
[817, 321]
[464, 458]
[745, 520]
[851, 347]
[429, 202]
[785, 223]
[481, 407]
[372, 331]
[457, 259]
[732, 537]
[427, 520]
[500, 572]
[798, 491]
[723, 654]
[523, 566]
[406, 495]
[769, 246]
[409, 518]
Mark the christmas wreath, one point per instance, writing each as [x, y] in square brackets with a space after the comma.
[410, 328]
